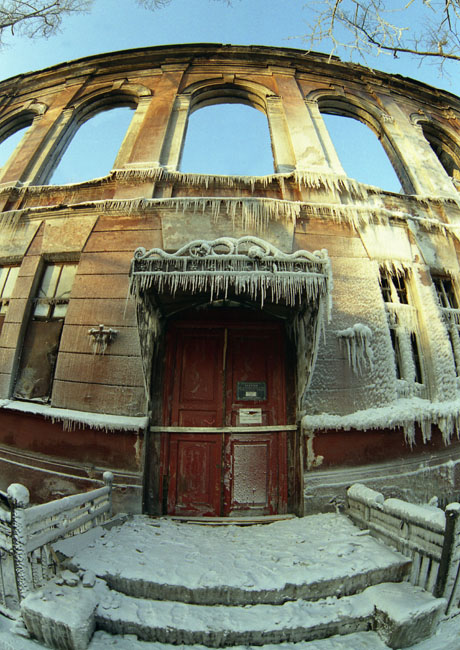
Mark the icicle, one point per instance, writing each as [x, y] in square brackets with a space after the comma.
[425, 424]
[446, 426]
[395, 267]
[452, 315]
[402, 315]
[10, 219]
[310, 180]
[357, 343]
[409, 432]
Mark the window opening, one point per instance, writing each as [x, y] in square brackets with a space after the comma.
[445, 292]
[396, 352]
[448, 303]
[9, 144]
[416, 357]
[93, 149]
[447, 152]
[41, 342]
[403, 323]
[8, 275]
[229, 139]
[361, 153]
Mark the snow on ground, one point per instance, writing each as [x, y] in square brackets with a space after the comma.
[295, 551]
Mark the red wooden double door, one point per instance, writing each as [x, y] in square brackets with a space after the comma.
[225, 375]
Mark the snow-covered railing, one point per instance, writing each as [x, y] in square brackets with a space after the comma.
[6, 551]
[35, 528]
[427, 534]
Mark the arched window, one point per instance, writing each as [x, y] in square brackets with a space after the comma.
[10, 137]
[447, 151]
[364, 150]
[231, 139]
[91, 152]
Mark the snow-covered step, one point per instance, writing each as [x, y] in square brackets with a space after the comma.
[65, 616]
[402, 614]
[354, 641]
[310, 558]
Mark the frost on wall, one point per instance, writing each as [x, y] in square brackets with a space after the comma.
[356, 297]
[307, 328]
[149, 327]
[441, 359]
[356, 341]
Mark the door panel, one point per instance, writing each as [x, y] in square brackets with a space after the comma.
[194, 480]
[197, 389]
[255, 357]
[252, 473]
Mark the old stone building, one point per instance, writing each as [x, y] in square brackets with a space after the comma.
[229, 344]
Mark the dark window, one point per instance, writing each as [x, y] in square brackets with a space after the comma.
[446, 150]
[447, 299]
[402, 320]
[41, 342]
[445, 292]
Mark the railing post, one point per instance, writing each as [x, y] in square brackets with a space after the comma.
[18, 497]
[108, 480]
[448, 572]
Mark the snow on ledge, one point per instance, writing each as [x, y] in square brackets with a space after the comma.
[404, 413]
[72, 419]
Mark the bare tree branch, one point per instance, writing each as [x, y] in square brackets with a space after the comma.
[37, 18]
[421, 28]
[43, 18]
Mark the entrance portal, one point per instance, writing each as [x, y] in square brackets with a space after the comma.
[224, 400]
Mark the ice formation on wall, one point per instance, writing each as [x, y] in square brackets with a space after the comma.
[310, 180]
[71, 419]
[247, 265]
[357, 343]
[403, 413]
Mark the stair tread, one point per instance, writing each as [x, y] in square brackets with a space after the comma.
[312, 550]
[404, 599]
[354, 641]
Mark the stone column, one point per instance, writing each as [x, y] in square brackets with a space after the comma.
[323, 136]
[135, 125]
[302, 125]
[153, 132]
[173, 144]
[283, 153]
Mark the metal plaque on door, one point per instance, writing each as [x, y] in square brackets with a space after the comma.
[251, 391]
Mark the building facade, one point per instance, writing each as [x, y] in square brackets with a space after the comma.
[229, 345]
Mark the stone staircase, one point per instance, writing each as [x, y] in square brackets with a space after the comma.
[155, 584]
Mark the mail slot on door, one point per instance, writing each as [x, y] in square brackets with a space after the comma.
[251, 391]
[250, 416]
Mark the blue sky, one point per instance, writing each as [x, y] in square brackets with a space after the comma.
[121, 24]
